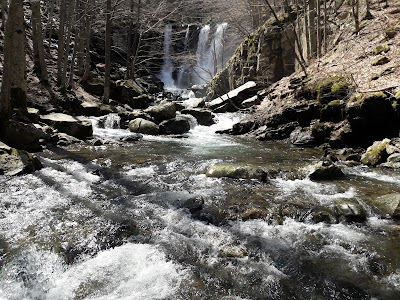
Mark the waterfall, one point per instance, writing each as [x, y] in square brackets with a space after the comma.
[209, 57]
[209, 53]
[112, 121]
[167, 68]
[183, 68]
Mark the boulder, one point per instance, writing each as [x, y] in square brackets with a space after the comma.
[63, 139]
[164, 111]
[199, 90]
[125, 90]
[143, 126]
[197, 103]
[375, 154]
[178, 125]
[323, 171]
[349, 210]
[90, 108]
[141, 102]
[204, 117]
[302, 137]
[77, 126]
[33, 114]
[387, 205]
[235, 97]
[94, 86]
[17, 162]
[23, 136]
[131, 138]
[237, 171]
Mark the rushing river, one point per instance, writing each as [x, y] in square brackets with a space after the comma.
[142, 221]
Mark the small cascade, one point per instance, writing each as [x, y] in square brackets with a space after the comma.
[112, 121]
[168, 67]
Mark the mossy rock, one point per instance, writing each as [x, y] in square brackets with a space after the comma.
[386, 205]
[376, 153]
[332, 88]
[320, 172]
[380, 49]
[381, 61]
[237, 171]
[251, 42]
[397, 95]
[141, 102]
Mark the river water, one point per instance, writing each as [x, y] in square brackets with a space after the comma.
[142, 221]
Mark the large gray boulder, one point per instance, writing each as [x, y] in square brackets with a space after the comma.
[143, 126]
[179, 125]
[387, 206]
[237, 171]
[164, 111]
[235, 97]
[90, 108]
[203, 116]
[23, 136]
[77, 126]
[17, 162]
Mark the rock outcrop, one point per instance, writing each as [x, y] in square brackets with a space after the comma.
[77, 126]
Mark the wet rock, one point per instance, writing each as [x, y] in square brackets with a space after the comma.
[387, 205]
[94, 86]
[17, 162]
[235, 97]
[204, 117]
[349, 210]
[63, 139]
[375, 154]
[33, 114]
[143, 126]
[333, 111]
[199, 90]
[179, 125]
[233, 251]
[125, 90]
[280, 133]
[131, 138]
[394, 158]
[254, 213]
[321, 171]
[302, 137]
[221, 109]
[97, 142]
[21, 135]
[77, 126]
[164, 111]
[197, 103]
[237, 171]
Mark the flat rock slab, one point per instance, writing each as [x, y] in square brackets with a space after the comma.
[76, 126]
[236, 96]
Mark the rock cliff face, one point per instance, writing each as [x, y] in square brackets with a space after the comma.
[265, 56]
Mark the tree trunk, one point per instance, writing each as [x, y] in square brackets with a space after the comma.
[49, 27]
[106, 95]
[89, 20]
[325, 27]
[13, 91]
[63, 82]
[129, 43]
[318, 28]
[61, 41]
[355, 9]
[312, 32]
[3, 13]
[38, 47]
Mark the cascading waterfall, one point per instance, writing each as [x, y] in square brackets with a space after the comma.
[209, 57]
[183, 68]
[167, 68]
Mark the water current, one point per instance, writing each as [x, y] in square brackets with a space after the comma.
[142, 221]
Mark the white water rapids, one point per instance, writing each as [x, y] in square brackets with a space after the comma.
[113, 222]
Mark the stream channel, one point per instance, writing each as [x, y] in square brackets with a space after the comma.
[142, 221]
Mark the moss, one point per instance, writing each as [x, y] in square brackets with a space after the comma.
[332, 87]
[381, 61]
[380, 49]
[335, 103]
[387, 71]
[397, 95]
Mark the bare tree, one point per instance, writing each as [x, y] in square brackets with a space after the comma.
[38, 47]
[14, 86]
[108, 44]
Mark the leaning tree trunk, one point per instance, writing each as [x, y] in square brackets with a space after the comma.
[38, 47]
[106, 95]
[13, 91]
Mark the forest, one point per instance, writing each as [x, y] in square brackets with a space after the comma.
[199, 149]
